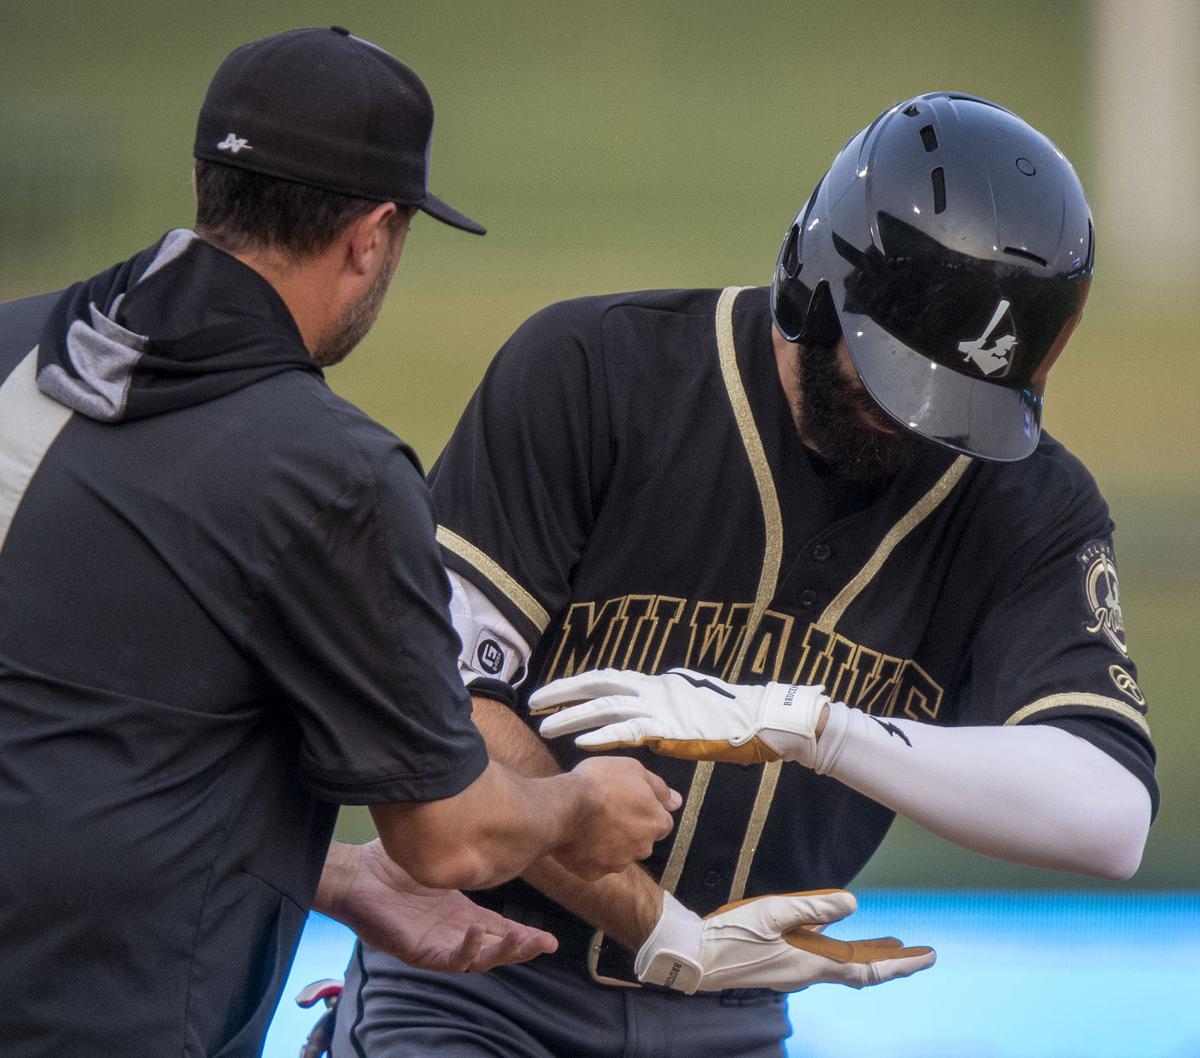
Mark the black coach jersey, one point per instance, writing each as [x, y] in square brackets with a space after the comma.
[629, 488]
[222, 610]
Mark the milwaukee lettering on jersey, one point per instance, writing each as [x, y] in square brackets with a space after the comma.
[639, 631]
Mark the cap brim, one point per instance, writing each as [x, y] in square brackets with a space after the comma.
[969, 415]
[447, 214]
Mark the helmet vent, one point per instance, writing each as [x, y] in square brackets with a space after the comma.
[912, 110]
[929, 138]
[939, 190]
[1016, 251]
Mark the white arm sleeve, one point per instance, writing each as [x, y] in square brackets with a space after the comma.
[1032, 794]
[491, 647]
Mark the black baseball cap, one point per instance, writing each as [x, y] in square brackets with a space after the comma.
[325, 108]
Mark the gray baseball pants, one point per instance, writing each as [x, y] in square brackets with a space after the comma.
[544, 1009]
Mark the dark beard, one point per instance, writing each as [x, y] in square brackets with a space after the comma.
[831, 416]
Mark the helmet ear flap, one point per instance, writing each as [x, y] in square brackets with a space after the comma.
[801, 316]
[801, 303]
[822, 328]
[789, 297]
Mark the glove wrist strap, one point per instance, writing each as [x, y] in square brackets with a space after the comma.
[788, 722]
[671, 955]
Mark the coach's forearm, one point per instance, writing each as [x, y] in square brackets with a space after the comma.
[595, 819]
[1032, 794]
[625, 905]
[486, 834]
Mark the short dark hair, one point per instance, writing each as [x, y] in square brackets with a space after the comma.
[238, 209]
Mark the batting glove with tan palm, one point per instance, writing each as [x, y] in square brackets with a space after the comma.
[682, 713]
[769, 942]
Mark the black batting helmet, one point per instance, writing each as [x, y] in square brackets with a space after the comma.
[952, 245]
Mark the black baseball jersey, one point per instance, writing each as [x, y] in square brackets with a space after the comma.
[222, 611]
[629, 488]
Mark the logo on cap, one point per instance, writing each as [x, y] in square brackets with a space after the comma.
[233, 144]
[992, 351]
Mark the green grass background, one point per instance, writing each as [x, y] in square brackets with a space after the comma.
[621, 145]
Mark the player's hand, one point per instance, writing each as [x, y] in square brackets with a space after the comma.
[769, 942]
[685, 714]
[433, 929]
[627, 809]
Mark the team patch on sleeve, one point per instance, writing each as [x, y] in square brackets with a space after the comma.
[493, 657]
[1102, 594]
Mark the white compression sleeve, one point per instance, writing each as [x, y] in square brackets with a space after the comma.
[1032, 794]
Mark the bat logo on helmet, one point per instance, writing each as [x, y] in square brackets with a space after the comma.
[992, 352]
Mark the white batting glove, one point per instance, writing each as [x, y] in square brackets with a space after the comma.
[685, 714]
[769, 942]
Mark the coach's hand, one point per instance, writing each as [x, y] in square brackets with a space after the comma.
[433, 929]
[685, 714]
[769, 942]
[628, 810]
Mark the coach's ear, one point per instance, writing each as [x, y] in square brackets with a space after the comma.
[369, 240]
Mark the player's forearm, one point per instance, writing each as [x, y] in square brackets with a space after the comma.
[1034, 794]
[626, 905]
[510, 742]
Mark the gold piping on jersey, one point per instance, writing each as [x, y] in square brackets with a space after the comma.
[754, 828]
[768, 578]
[687, 825]
[1095, 701]
[495, 573]
[826, 622]
[921, 510]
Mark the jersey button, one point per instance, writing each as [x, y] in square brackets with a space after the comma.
[822, 552]
[712, 879]
[807, 598]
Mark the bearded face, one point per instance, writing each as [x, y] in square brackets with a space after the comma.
[839, 420]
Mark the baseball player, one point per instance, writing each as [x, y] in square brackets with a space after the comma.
[813, 539]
